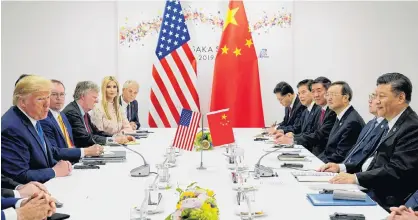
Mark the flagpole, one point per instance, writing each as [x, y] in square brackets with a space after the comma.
[201, 151]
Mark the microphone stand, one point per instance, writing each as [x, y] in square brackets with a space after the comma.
[263, 171]
[141, 171]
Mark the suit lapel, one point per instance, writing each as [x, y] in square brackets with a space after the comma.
[57, 126]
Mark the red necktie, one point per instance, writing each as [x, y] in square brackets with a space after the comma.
[322, 115]
[86, 121]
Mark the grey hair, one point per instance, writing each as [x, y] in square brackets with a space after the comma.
[129, 83]
[83, 87]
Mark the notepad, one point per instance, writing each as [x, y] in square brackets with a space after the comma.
[312, 176]
[328, 200]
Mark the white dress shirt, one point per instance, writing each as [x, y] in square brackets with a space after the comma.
[311, 106]
[339, 116]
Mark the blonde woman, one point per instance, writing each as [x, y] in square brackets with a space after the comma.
[107, 115]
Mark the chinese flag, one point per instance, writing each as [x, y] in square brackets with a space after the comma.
[236, 84]
[220, 127]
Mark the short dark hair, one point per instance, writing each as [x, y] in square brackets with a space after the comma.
[283, 88]
[346, 89]
[323, 80]
[21, 77]
[399, 82]
[305, 82]
[58, 82]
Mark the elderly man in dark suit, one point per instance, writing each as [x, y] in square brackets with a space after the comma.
[347, 126]
[390, 172]
[129, 104]
[84, 132]
[26, 153]
[366, 142]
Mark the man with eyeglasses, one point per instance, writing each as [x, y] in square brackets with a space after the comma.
[59, 132]
[347, 126]
[390, 172]
[366, 142]
[26, 154]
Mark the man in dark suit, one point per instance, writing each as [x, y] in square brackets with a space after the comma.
[316, 140]
[293, 108]
[306, 123]
[366, 142]
[129, 104]
[84, 132]
[58, 130]
[11, 188]
[39, 206]
[395, 161]
[347, 126]
[26, 155]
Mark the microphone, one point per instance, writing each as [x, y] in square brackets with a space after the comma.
[263, 171]
[141, 171]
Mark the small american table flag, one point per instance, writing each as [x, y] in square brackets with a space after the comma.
[186, 131]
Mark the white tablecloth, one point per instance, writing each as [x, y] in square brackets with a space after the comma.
[111, 193]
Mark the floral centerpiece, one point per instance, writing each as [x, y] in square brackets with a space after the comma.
[203, 140]
[195, 203]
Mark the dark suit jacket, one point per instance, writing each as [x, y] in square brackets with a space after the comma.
[307, 123]
[22, 154]
[7, 186]
[343, 136]
[366, 145]
[53, 132]
[80, 135]
[134, 111]
[7, 203]
[295, 115]
[317, 140]
[392, 174]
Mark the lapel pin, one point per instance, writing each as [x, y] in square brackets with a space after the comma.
[394, 129]
[381, 126]
[341, 123]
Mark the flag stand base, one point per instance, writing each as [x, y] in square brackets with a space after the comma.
[201, 161]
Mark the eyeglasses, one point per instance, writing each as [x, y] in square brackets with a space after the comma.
[61, 95]
[332, 94]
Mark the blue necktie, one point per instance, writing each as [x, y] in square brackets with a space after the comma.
[372, 127]
[128, 109]
[41, 135]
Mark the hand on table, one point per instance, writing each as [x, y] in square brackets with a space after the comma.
[329, 167]
[62, 168]
[133, 125]
[402, 213]
[344, 178]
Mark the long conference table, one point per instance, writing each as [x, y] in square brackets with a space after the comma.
[111, 193]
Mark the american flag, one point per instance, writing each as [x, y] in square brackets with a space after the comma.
[186, 131]
[174, 71]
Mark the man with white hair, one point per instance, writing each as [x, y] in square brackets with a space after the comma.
[84, 132]
[129, 104]
[26, 153]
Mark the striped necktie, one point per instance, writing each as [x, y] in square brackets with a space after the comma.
[65, 132]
